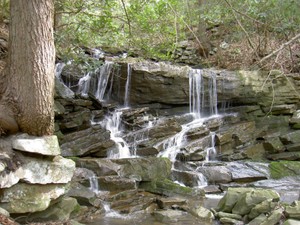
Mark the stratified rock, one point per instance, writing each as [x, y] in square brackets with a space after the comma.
[188, 178]
[228, 215]
[116, 183]
[248, 200]
[281, 109]
[46, 145]
[284, 156]
[24, 198]
[284, 168]
[60, 211]
[216, 174]
[88, 141]
[144, 169]
[273, 218]
[295, 120]
[167, 203]
[229, 221]
[78, 120]
[293, 211]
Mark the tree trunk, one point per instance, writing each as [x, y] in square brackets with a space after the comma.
[31, 62]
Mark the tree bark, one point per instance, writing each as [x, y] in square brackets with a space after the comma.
[31, 63]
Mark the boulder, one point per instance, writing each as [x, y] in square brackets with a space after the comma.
[203, 213]
[231, 197]
[28, 198]
[169, 216]
[290, 138]
[168, 203]
[116, 183]
[264, 207]
[62, 91]
[250, 199]
[216, 174]
[169, 188]
[46, 145]
[274, 217]
[291, 222]
[228, 215]
[273, 145]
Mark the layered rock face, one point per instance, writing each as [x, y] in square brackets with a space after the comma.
[33, 173]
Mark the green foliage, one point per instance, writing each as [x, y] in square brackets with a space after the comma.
[152, 28]
[4, 10]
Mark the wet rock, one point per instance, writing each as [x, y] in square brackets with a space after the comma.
[250, 199]
[248, 171]
[84, 195]
[197, 133]
[88, 141]
[216, 174]
[24, 198]
[46, 145]
[293, 211]
[284, 168]
[295, 120]
[60, 211]
[169, 188]
[144, 169]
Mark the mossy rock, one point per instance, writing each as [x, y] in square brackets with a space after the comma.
[169, 188]
[284, 169]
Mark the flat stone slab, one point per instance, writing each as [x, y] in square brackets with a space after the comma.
[46, 145]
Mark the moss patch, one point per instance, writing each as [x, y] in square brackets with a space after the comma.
[284, 169]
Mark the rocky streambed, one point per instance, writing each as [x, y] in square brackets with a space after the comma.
[155, 143]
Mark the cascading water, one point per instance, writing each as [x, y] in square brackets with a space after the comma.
[127, 87]
[58, 69]
[211, 152]
[113, 124]
[202, 96]
[94, 187]
[95, 83]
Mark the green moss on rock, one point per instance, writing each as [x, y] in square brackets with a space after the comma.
[284, 169]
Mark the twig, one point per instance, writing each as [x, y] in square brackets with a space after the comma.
[280, 48]
[127, 16]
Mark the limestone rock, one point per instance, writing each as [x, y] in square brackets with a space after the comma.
[47, 145]
[24, 198]
[248, 200]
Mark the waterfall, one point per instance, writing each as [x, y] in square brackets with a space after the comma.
[201, 95]
[113, 124]
[58, 69]
[211, 152]
[103, 77]
[94, 187]
[127, 87]
[96, 82]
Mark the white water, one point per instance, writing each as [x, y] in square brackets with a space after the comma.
[211, 151]
[202, 96]
[113, 124]
[101, 76]
[127, 87]
[94, 187]
[58, 69]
